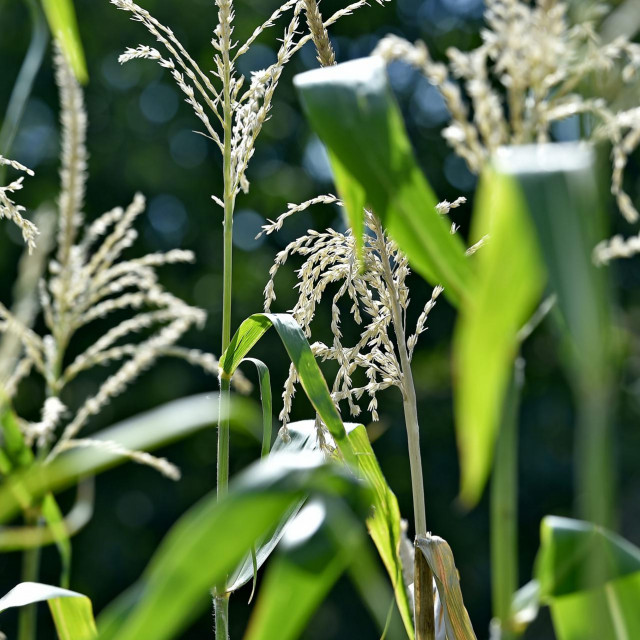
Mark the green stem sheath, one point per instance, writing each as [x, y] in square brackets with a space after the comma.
[423, 578]
[594, 475]
[222, 616]
[221, 599]
[504, 509]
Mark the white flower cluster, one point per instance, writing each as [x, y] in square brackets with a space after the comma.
[377, 291]
[88, 280]
[12, 211]
[540, 62]
[249, 109]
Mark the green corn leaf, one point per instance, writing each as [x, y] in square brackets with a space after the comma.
[264, 380]
[352, 109]
[309, 561]
[509, 281]
[18, 538]
[55, 522]
[72, 612]
[439, 556]
[14, 455]
[17, 453]
[354, 197]
[64, 26]
[384, 524]
[299, 351]
[302, 437]
[584, 605]
[20, 456]
[559, 186]
[325, 539]
[213, 537]
[610, 612]
[148, 431]
[566, 544]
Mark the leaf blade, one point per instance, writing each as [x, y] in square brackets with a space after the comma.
[264, 380]
[174, 586]
[384, 525]
[584, 605]
[351, 108]
[301, 439]
[299, 351]
[63, 23]
[486, 343]
[150, 430]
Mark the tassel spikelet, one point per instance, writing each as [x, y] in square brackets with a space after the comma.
[12, 211]
[330, 261]
[250, 107]
[541, 60]
[326, 54]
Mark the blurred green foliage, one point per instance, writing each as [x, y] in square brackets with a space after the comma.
[140, 138]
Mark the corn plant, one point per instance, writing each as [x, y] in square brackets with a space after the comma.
[486, 346]
[87, 281]
[232, 116]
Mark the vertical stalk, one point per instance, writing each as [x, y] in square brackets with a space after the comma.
[594, 487]
[27, 618]
[594, 476]
[229, 201]
[222, 616]
[221, 598]
[504, 509]
[423, 578]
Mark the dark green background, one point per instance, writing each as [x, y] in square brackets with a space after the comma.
[140, 139]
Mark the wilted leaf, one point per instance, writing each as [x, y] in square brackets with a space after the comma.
[440, 559]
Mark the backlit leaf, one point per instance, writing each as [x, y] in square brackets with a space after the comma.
[352, 109]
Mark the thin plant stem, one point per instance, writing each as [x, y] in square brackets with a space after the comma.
[594, 476]
[222, 616]
[221, 599]
[594, 487]
[26, 77]
[504, 509]
[27, 618]
[229, 201]
[423, 585]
